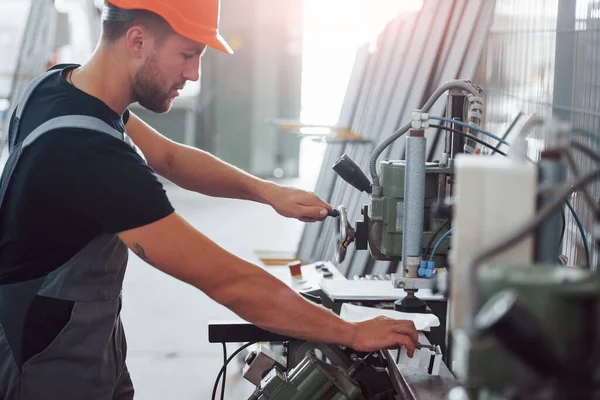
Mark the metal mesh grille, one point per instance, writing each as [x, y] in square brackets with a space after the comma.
[543, 57]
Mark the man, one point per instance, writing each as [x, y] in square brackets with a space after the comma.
[73, 199]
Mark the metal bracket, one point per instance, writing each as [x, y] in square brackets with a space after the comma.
[401, 282]
[420, 120]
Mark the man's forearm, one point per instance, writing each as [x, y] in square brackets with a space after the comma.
[251, 292]
[269, 303]
[199, 171]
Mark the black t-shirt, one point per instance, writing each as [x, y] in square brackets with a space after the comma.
[71, 185]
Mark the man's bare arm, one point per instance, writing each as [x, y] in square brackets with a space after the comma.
[194, 169]
[178, 249]
[199, 171]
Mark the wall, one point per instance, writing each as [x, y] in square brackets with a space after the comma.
[262, 80]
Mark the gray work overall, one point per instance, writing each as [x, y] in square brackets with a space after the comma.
[86, 361]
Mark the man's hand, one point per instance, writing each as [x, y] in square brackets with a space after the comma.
[385, 333]
[296, 203]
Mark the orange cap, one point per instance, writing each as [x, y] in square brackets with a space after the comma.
[197, 20]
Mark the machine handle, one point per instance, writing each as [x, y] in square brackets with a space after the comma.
[344, 234]
[347, 169]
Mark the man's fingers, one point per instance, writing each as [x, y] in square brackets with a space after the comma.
[308, 219]
[315, 213]
[412, 335]
[407, 342]
[407, 328]
[317, 201]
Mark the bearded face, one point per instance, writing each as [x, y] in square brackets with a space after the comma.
[151, 89]
[169, 63]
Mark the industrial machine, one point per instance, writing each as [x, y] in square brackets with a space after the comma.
[521, 324]
[327, 372]
[351, 376]
[524, 325]
[404, 214]
[407, 213]
[381, 230]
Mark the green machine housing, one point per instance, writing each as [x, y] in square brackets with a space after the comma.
[311, 379]
[382, 222]
[540, 324]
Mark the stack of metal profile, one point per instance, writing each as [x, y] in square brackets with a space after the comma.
[44, 32]
[415, 54]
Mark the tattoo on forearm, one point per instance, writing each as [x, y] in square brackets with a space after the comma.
[139, 250]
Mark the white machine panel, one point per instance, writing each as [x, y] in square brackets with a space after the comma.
[494, 196]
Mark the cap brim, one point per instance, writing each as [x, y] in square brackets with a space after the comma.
[217, 42]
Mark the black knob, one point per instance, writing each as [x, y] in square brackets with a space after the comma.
[347, 169]
[250, 358]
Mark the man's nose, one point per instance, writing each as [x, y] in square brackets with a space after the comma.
[192, 72]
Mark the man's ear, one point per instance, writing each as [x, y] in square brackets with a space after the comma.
[137, 39]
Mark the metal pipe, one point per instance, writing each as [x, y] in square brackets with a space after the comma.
[414, 201]
[398, 133]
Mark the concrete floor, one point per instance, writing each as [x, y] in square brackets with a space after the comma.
[166, 321]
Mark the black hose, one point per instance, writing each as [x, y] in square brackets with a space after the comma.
[222, 370]
[434, 236]
[563, 218]
[225, 371]
[468, 135]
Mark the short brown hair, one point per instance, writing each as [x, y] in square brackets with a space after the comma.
[112, 30]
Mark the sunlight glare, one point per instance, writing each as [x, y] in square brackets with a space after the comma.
[333, 32]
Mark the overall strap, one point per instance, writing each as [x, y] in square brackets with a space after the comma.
[64, 122]
[80, 122]
[22, 105]
[72, 121]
